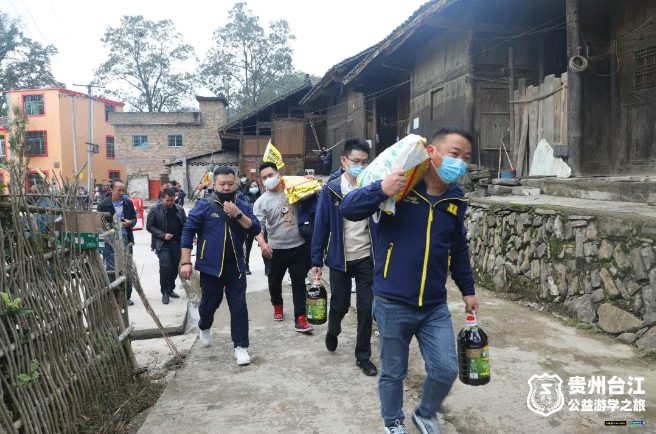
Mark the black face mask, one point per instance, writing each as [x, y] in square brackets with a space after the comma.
[225, 197]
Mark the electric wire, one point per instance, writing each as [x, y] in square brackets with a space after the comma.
[34, 21]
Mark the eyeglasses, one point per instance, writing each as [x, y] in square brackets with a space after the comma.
[358, 162]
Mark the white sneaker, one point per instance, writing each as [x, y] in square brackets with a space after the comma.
[242, 356]
[205, 337]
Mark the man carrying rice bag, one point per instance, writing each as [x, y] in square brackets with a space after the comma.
[411, 263]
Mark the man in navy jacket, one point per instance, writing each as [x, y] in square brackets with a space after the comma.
[413, 247]
[221, 223]
[348, 253]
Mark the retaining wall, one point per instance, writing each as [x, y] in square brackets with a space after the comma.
[599, 268]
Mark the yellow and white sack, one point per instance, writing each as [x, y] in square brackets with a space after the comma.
[408, 154]
[299, 187]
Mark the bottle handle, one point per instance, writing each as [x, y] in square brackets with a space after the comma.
[474, 313]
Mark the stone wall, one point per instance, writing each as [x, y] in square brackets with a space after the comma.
[600, 269]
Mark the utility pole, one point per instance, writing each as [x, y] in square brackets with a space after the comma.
[74, 134]
[90, 147]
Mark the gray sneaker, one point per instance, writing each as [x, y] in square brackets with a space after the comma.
[398, 428]
[427, 425]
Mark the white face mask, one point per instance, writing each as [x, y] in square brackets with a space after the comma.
[272, 182]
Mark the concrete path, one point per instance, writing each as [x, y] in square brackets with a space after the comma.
[294, 385]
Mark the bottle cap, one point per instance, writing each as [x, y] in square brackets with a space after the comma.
[471, 320]
[317, 279]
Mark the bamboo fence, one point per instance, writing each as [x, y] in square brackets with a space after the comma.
[62, 322]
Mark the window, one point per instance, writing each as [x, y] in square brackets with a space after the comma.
[140, 141]
[437, 104]
[109, 109]
[109, 140]
[34, 178]
[3, 147]
[33, 105]
[645, 69]
[36, 144]
[114, 175]
[175, 140]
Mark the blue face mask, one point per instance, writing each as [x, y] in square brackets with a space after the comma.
[451, 169]
[253, 190]
[354, 171]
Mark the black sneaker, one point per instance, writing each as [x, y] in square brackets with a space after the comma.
[368, 368]
[248, 272]
[165, 298]
[130, 302]
[331, 342]
[174, 295]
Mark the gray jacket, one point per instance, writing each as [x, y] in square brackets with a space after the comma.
[156, 223]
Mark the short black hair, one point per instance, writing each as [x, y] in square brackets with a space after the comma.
[113, 183]
[168, 192]
[174, 183]
[442, 132]
[268, 164]
[223, 170]
[354, 144]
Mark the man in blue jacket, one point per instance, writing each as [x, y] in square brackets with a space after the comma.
[412, 261]
[347, 247]
[221, 223]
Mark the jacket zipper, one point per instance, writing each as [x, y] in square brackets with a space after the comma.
[371, 240]
[225, 233]
[235, 251]
[343, 237]
[428, 231]
[387, 261]
[202, 251]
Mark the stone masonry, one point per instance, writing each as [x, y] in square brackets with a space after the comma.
[598, 269]
[199, 131]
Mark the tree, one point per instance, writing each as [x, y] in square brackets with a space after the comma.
[24, 63]
[143, 62]
[247, 61]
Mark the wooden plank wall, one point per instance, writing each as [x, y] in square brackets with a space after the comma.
[540, 112]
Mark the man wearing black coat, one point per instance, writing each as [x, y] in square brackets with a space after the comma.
[116, 204]
[165, 222]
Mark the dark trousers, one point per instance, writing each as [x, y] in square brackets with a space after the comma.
[297, 261]
[108, 256]
[212, 289]
[340, 301]
[169, 261]
[248, 242]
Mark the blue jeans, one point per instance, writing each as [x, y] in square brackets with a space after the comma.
[397, 323]
[108, 256]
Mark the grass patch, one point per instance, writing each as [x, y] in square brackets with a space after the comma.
[591, 328]
[111, 407]
[649, 355]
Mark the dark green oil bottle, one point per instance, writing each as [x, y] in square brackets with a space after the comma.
[473, 354]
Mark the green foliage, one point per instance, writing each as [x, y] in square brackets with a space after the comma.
[33, 375]
[248, 65]
[13, 306]
[24, 63]
[146, 65]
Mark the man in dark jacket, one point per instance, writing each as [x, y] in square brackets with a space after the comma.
[165, 223]
[116, 204]
[348, 253]
[413, 247]
[221, 223]
[179, 200]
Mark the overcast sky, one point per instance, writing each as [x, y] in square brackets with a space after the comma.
[327, 31]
